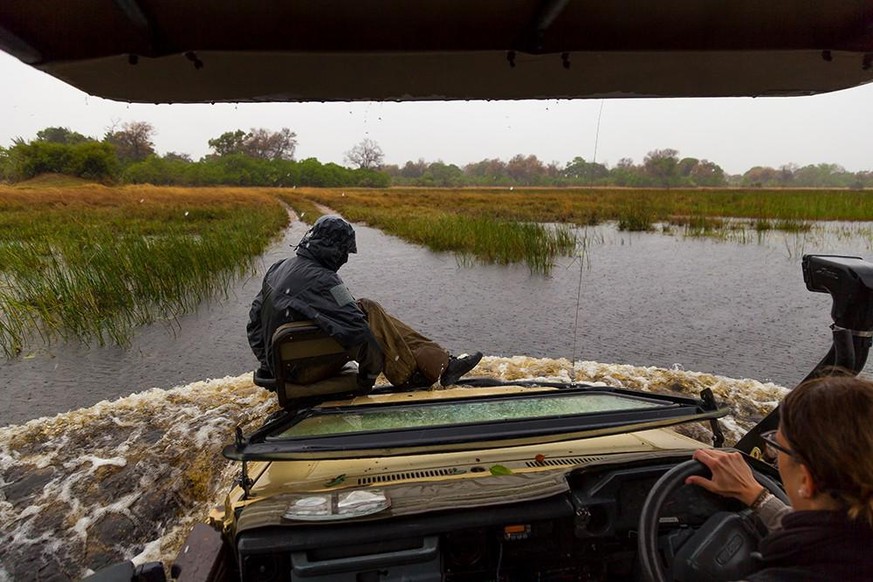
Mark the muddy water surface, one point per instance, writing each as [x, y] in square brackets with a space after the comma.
[88, 478]
[647, 299]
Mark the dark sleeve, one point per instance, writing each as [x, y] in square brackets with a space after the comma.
[329, 304]
[255, 330]
[348, 325]
[255, 326]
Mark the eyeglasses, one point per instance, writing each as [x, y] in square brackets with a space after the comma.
[772, 447]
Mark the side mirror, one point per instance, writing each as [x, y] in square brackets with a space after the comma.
[849, 281]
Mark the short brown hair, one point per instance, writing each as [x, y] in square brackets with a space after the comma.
[829, 423]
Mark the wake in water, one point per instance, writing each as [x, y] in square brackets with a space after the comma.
[128, 479]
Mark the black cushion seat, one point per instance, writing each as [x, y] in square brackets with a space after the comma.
[309, 364]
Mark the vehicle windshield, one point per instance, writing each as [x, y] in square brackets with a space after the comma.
[464, 423]
[429, 414]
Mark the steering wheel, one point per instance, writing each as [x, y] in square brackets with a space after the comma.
[719, 550]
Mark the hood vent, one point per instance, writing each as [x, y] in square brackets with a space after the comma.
[408, 475]
[565, 461]
[430, 473]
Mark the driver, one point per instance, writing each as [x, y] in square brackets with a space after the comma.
[824, 450]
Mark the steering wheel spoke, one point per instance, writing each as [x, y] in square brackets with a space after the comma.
[720, 550]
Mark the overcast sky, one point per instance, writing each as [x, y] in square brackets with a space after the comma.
[735, 133]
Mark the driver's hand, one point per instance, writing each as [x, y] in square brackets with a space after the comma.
[731, 476]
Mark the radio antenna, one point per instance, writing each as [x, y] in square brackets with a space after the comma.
[576, 321]
[579, 254]
[597, 133]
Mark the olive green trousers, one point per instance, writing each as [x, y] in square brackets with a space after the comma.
[405, 349]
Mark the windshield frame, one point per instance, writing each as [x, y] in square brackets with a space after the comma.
[667, 410]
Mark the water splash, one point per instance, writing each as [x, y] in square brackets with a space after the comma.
[128, 478]
[87, 488]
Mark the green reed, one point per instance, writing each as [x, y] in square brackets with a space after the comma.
[636, 207]
[92, 268]
[489, 240]
[424, 215]
[91, 263]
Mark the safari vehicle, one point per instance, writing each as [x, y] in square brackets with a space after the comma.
[482, 481]
[488, 480]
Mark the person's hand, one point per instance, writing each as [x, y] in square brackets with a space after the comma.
[731, 476]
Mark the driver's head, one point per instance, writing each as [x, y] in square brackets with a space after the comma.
[828, 423]
[329, 241]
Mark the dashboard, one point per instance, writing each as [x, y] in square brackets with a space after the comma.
[588, 533]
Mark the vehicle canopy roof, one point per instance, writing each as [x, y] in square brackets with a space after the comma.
[343, 50]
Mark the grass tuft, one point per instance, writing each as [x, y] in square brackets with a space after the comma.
[91, 264]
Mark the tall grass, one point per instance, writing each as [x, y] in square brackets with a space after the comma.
[593, 205]
[486, 239]
[699, 212]
[91, 263]
[472, 237]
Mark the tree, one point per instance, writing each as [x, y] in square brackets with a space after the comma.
[61, 135]
[760, 176]
[270, 145]
[366, 155]
[862, 180]
[662, 166]
[133, 142]
[229, 142]
[178, 157]
[626, 173]
[489, 172]
[686, 166]
[5, 164]
[525, 170]
[414, 169]
[443, 175]
[708, 174]
[824, 175]
[259, 143]
[786, 174]
[578, 170]
[90, 159]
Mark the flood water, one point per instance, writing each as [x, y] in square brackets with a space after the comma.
[113, 453]
[647, 299]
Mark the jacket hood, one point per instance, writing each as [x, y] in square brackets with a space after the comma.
[329, 241]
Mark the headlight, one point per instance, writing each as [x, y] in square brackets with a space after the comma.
[335, 506]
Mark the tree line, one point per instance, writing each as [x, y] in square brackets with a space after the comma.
[662, 168]
[261, 157]
[126, 154]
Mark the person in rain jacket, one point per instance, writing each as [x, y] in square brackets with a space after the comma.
[307, 286]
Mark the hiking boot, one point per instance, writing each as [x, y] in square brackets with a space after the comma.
[457, 367]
